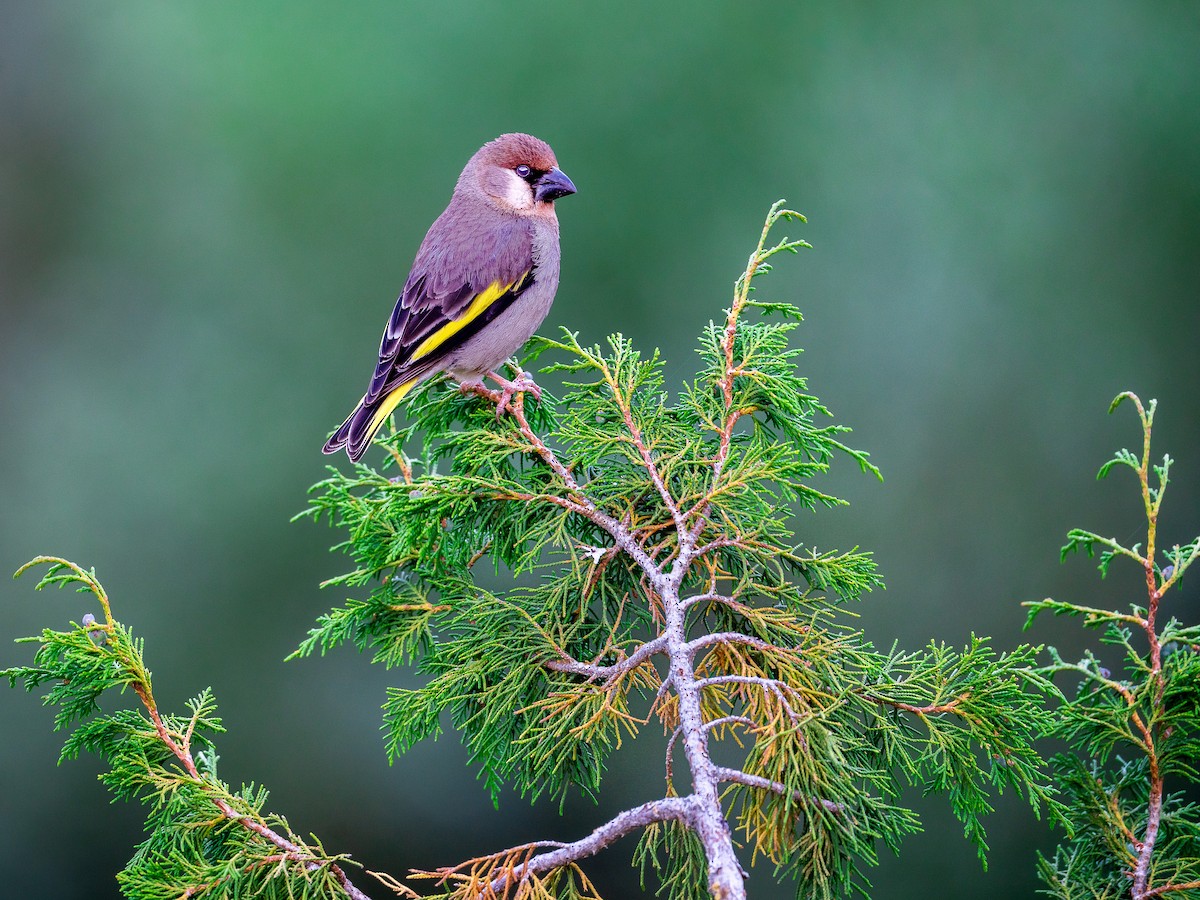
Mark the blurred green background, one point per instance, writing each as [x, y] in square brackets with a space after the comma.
[206, 211]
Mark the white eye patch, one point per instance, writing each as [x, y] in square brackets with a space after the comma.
[517, 191]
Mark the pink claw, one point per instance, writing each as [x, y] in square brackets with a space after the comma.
[523, 383]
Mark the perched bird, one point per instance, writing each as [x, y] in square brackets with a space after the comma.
[482, 282]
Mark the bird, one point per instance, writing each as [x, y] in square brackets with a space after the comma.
[482, 282]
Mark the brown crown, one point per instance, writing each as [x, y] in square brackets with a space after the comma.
[511, 150]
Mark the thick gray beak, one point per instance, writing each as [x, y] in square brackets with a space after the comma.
[552, 185]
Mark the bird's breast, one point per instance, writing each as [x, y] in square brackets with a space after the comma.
[505, 334]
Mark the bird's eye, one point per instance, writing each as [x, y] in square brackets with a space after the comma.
[523, 170]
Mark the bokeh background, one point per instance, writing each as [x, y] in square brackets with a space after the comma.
[207, 208]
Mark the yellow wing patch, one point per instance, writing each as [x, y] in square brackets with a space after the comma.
[390, 402]
[482, 301]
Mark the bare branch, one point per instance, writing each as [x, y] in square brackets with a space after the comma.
[931, 709]
[616, 670]
[757, 781]
[730, 720]
[1169, 888]
[671, 751]
[774, 685]
[718, 543]
[730, 637]
[680, 809]
[711, 596]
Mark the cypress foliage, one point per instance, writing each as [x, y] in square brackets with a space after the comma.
[655, 578]
[203, 838]
[657, 531]
[1129, 780]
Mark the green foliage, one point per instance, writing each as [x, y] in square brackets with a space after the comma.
[203, 838]
[639, 521]
[1133, 735]
[649, 540]
[676, 857]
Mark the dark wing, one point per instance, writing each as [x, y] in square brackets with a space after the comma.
[467, 272]
[472, 265]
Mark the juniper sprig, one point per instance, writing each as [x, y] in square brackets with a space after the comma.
[1131, 733]
[204, 839]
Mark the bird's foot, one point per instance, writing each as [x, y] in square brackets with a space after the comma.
[523, 383]
[472, 386]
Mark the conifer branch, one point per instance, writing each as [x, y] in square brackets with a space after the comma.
[500, 874]
[777, 688]
[930, 709]
[579, 502]
[765, 784]
[647, 457]
[609, 673]
[1152, 501]
[1171, 888]
[726, 638]
[60, 660]
[679, 531]
[1154, 710]
[661, 525]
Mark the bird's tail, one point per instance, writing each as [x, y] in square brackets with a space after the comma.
[368, 417]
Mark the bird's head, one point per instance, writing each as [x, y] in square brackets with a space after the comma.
[517, 172]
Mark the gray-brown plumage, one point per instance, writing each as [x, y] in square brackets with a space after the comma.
[482, 282]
